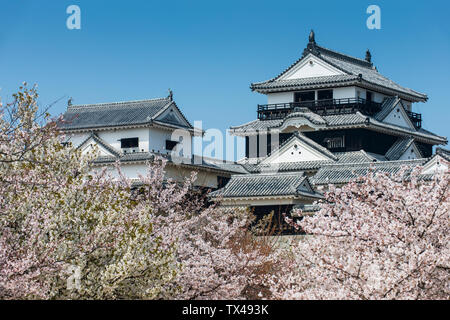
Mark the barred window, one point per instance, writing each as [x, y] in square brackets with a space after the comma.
[335, 142]
[129, 143]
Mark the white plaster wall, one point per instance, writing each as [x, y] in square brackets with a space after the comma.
[301, 153]
[409, 154]
[132, 171]
[311, 67]
[344, 92]
[157, 139]
[113, 137]
[378, 97]
[397, 118]
[436, 165]
[280, 97]
[338, 93]
[76, 138]
[149, 138]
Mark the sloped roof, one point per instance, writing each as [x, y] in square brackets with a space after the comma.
[354, 157]
[344, 173]
[356, 72]
[399, 147]
[195, 162]
[360, 156]
[387, 106]
[307, 141]
[290, 166]
[116, 114]
[305, 83]
[102, 143]
[260, 185]
[444, 153]
[339, 121]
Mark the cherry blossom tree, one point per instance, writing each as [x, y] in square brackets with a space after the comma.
[217, 255]
[70, 232]
[378, 237]
[65, 232]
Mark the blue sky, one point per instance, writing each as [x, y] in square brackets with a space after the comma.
[209, 52]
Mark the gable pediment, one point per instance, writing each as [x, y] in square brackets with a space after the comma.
[436, 164]
[298, 149]
[93, 141]
[306, 186]
[412, 152]
[399, 117]
[310, 67]
[172, 116]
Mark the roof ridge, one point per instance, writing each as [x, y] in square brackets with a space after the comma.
[271, 173]
[116, 103]
[360, 61]
[367, 155]
[378, 163]
[242, 125]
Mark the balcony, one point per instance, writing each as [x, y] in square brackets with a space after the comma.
[416, 118]
[322, 107]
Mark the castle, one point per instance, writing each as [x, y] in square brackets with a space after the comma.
[329, 118]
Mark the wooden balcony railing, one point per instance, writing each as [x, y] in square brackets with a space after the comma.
[322, 107]
[416, 118]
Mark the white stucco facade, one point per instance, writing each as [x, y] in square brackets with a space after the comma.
[311, 67]
[338, 93]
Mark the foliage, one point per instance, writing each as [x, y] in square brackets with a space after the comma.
[378, 237]
[68, 230]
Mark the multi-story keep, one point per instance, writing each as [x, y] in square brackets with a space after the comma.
[329, 118]
[135, 132]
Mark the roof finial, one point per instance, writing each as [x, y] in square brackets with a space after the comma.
[368, 56]
[312, 46]
[69, 102]
[312, 37]
[170, 96]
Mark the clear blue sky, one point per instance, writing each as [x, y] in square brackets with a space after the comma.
[209, 52]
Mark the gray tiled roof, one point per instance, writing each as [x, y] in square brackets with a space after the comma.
[338, 121]
[343, 173]
[330, 120]
[352, 68]
[259, 185]
[369, 73]
[342, 157]
[345, 119]
[354, 157]
[205, 163]
[256, 125]
[307, 114]
[306, 83]
[292, 166]
[398, 148]
[443, 153]
[387, 107]
[378, 157]
[116, 114]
